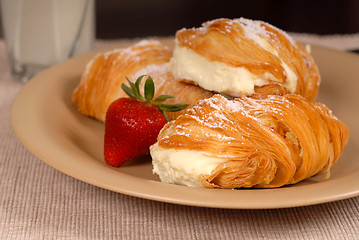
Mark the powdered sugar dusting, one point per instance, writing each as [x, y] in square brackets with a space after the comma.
[133, 50]
[153, 69]
[252, 29]
[255, 27]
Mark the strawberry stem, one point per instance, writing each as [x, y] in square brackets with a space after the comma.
[166, 116]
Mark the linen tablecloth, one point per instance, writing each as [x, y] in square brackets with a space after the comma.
[39, 202]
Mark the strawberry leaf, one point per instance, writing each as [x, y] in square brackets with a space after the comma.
[127, 90]
[149, 89]
[135, 90]
[173, 107]
[138, 81]
[163, 98]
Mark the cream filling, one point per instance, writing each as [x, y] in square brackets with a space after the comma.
[219, 77]
[183, 167]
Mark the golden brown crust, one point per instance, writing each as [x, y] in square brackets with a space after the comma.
[265, 142]
[101, 82]
[233, 42]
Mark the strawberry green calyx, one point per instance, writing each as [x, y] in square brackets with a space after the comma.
[133, 91]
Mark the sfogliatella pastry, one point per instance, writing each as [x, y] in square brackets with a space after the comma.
[101, 82]
[246, 142]
[243, 57]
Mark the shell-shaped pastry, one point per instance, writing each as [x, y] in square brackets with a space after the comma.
[246, 142]
[243, 57]
[101, 82]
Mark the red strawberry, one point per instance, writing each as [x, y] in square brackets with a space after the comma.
[132, 124]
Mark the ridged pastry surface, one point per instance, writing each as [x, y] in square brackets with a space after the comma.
[261, 143]
[268, 53]
[101, 82]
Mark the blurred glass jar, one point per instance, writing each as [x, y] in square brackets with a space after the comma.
[40, 33]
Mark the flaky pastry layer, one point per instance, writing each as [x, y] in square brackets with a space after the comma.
[265, 143]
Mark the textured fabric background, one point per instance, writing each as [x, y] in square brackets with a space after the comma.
[39, 202]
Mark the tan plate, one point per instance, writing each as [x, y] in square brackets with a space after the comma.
[49, 125]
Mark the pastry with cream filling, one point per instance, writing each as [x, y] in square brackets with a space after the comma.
[249, 143]
[101, 82]
[243, 57]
